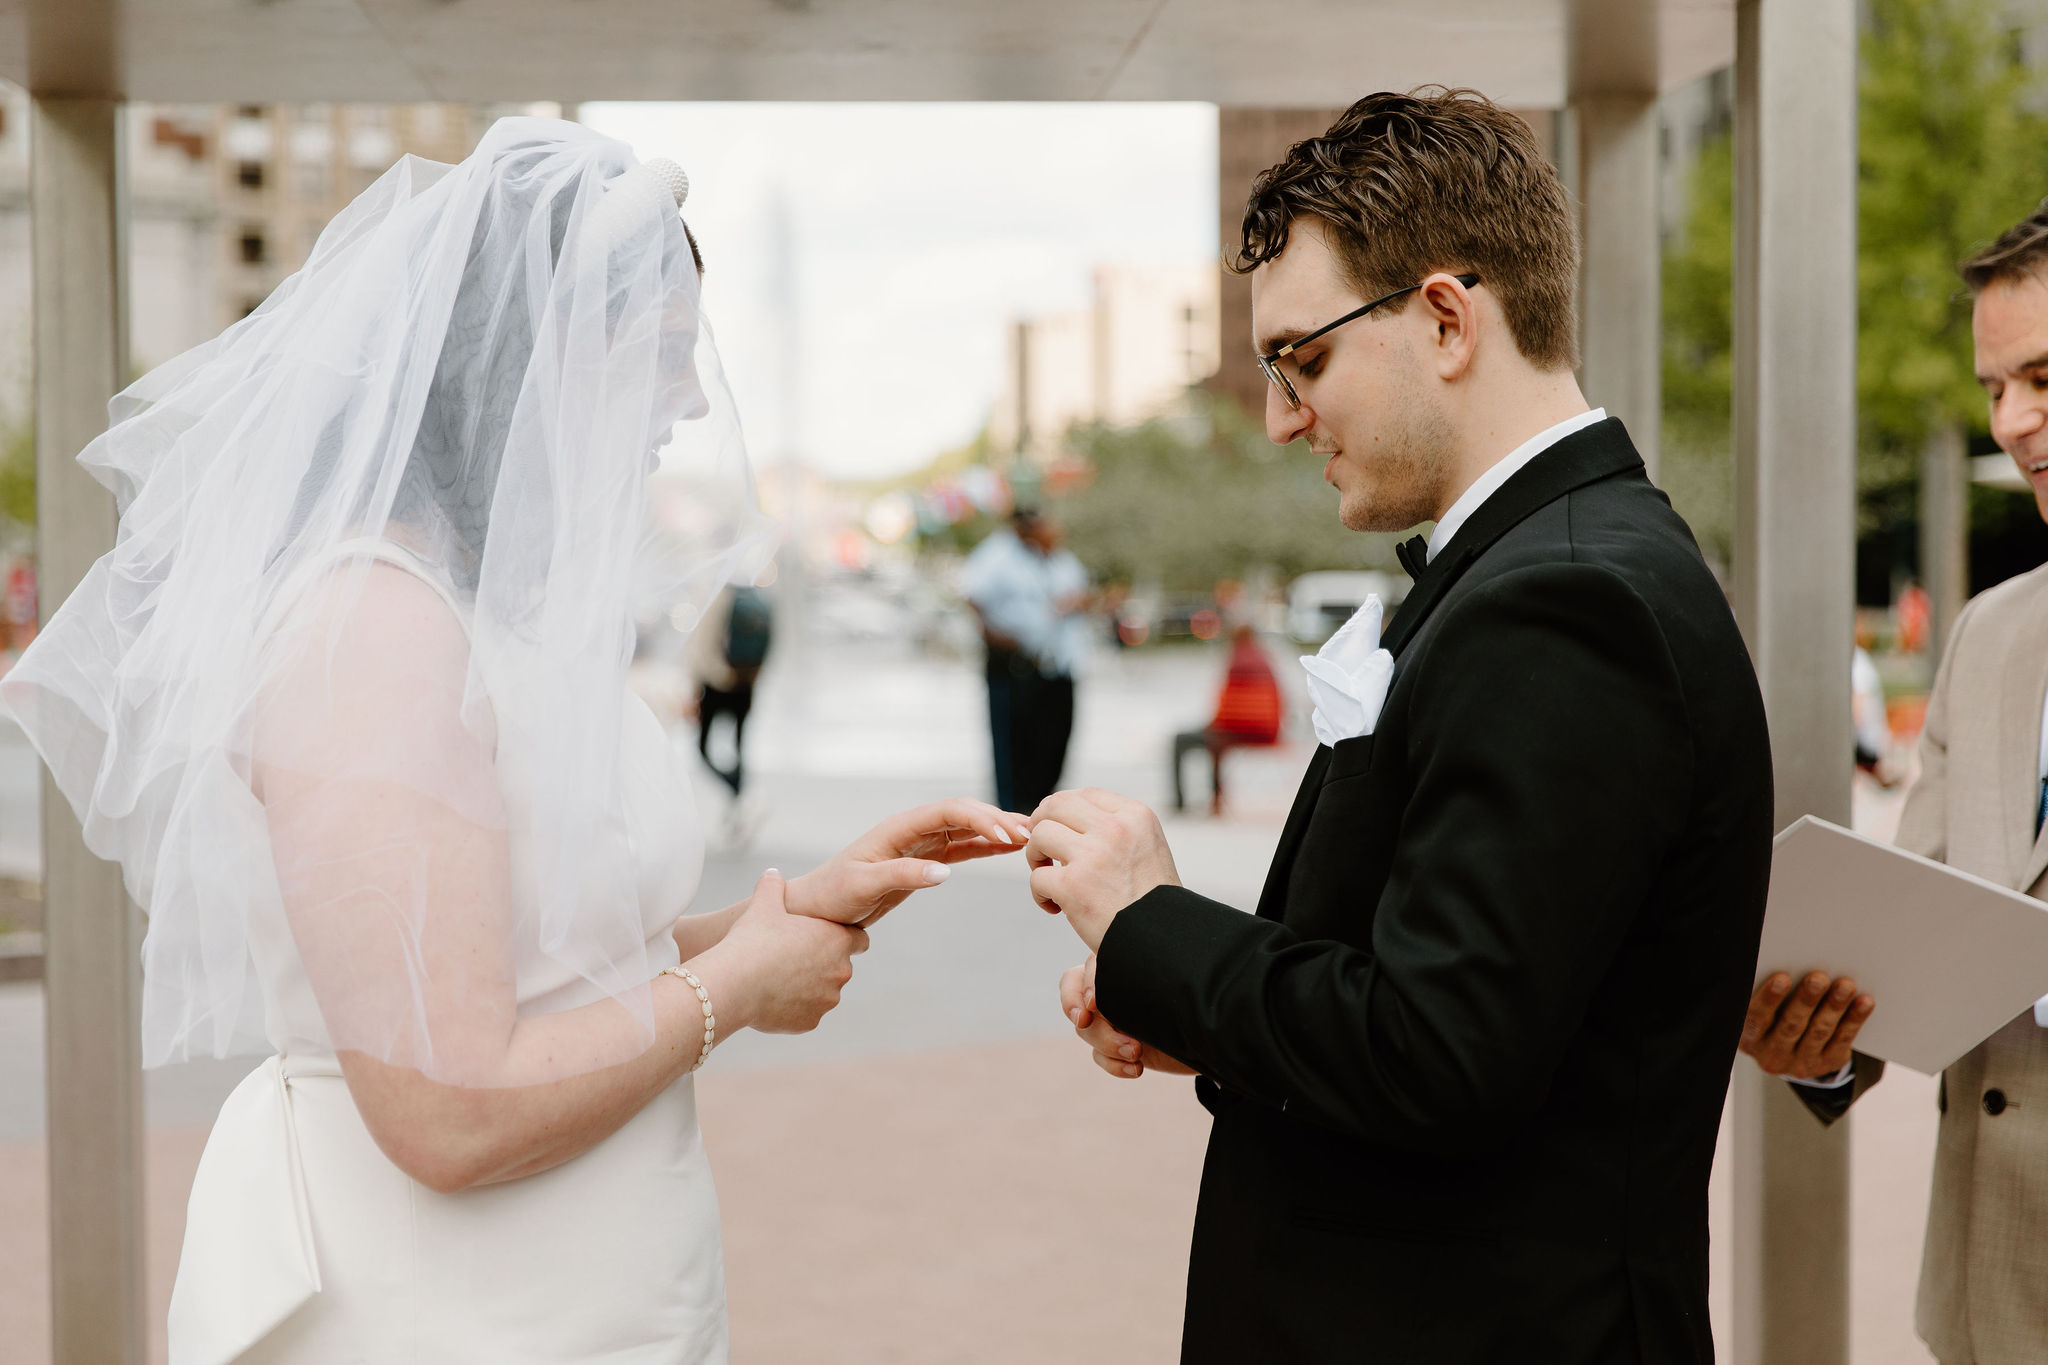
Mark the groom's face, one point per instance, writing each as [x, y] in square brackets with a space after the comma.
[1368, 410]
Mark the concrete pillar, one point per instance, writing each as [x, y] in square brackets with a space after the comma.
[1944, 530]
[1613, 64]
[92, 970]
[1795, 484]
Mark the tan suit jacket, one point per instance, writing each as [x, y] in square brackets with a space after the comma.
[1984, 1271]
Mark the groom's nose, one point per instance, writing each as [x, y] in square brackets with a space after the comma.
[1285, 425]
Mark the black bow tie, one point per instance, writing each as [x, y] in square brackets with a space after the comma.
[1414, 555]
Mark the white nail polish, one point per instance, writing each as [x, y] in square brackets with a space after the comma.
[937, 873]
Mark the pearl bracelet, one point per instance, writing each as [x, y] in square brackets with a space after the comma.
[704, 999]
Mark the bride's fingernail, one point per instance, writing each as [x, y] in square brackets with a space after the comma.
[1075, 1015]
[937, 873]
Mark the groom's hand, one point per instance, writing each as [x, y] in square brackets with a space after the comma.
[1117, 1053]
[1092, 853]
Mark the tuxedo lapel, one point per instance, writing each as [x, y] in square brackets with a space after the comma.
[1586, 456]
[1273, 897]
[2022, 688]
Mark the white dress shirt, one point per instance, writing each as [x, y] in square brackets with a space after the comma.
[1487, 484]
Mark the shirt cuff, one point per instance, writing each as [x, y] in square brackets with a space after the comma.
[1840, 1078]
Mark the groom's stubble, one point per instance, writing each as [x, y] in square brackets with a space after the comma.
[1401, 473]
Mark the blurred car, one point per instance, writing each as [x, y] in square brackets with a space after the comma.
[1185, 616]
[1318, 603]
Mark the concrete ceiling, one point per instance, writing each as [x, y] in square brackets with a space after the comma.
[1308, 53]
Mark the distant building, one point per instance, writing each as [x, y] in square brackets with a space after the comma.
[1149, 334]
[227, 200]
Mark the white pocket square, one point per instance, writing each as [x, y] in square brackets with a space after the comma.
[1348, 677]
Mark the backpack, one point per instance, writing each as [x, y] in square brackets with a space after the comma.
[747, 630]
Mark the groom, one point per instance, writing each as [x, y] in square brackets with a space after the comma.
[1467, 1062]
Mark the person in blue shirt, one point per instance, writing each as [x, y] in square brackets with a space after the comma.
[1030, 595]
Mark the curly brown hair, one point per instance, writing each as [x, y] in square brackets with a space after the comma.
[1436, 179]
[2020, 250]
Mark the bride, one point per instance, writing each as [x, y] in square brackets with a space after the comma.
[346, 701]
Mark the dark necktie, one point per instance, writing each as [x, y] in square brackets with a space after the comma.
[1414, 555]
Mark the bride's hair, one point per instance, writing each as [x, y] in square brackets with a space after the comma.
[452, 473]
[444, 495]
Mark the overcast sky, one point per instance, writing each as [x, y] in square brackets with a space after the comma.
[872, 337]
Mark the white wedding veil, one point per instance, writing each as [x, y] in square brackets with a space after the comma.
[350, 684]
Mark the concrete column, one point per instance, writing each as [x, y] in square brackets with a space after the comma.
[1795, 483]
[1944, 530]
[1613, 75]
[92, 970]
[1620, 283]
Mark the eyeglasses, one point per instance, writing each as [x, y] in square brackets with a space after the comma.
[1268, 363]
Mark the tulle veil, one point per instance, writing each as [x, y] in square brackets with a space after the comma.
[287, 744]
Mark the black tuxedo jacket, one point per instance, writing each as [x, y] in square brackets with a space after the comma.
[1467, 1062]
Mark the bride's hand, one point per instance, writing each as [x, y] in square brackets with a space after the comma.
[910, 851]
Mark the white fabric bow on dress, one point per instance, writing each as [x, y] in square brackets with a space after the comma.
[1348, 676]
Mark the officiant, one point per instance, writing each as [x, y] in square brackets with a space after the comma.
[1978, 806]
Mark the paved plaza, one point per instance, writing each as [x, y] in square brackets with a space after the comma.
[937, 1175]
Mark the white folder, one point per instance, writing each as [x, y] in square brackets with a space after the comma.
[1948, 957]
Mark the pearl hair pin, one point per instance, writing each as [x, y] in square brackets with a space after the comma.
[659, 186]
[671, 175]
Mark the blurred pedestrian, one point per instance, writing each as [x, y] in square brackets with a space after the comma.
[1247, 713]
[1916, 619]
[727, 651]
[18, 605]
[1031, 595]
[1867, 712]
[1984, 1271]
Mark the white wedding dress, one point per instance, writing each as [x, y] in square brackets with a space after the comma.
[304, 1244]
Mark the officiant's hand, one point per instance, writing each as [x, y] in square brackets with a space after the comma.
[1092, 853]
[1119, 1054]
[1805, 1033]
[910, 851]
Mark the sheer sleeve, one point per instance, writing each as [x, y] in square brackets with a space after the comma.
[388, 828]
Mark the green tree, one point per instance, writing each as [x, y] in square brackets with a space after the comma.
[1950, 153]
[18, 472]
[1203, 495]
